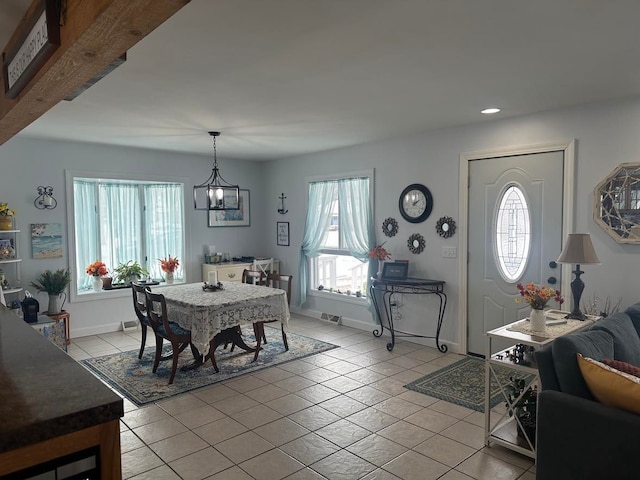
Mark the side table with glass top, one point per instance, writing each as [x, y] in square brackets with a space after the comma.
[505, 430]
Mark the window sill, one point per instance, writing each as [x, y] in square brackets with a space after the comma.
[338, 297]
[90, 295]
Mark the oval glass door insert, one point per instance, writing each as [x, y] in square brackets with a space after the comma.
[512, 234]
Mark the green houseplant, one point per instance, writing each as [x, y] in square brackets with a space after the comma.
[53, 283]
[129, 272]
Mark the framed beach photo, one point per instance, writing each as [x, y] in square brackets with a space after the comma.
[283, 233]
[46, 240]
[233, 218]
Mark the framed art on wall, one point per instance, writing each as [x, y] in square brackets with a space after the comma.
[283, 234]
[233, 218]
[46, 240]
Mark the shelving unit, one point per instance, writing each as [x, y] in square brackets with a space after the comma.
[10, 265]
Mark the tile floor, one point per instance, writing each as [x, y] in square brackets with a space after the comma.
[342, 414]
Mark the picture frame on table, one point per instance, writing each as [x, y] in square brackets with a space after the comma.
[233, 218]
[283, 234]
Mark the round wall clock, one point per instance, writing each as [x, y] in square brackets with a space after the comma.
[415, 203]
[390, 227]
[416, 243]
[446, 227]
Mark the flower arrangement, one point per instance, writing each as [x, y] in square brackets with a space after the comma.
[379, 252]
[169, 265]
[97, 269]
[538, 297]
[5, 211]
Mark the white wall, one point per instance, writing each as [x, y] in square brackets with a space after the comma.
[27, 163]
[606, 135]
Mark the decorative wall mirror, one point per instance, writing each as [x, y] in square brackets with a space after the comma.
[416, 243]
[617, 203]
[390, 227]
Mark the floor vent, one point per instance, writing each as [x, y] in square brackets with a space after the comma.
[331, 318]
[129, 326]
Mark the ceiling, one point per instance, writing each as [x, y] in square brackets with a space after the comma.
[288, 77]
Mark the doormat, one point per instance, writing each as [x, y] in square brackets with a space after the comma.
[133, 378]
[462, 383]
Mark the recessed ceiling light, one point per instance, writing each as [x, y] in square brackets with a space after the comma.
[490, 111]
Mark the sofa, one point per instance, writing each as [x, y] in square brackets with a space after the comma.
[578, 437]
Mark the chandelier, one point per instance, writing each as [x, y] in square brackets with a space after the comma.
[216, 193]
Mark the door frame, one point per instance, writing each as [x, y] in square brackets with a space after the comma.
[568, 149]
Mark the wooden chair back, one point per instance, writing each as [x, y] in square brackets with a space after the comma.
[283, 282]
[140, 302]
[157, 314]
[254, 277]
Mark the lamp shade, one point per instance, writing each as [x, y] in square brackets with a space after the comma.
[579, 250]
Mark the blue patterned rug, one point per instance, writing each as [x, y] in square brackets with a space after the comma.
[133, 379]
[462, 383]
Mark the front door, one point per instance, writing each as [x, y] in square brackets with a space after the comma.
[515, 236]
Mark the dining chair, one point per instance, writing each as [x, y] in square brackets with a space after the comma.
[140, 307]
[255, 277]
[283, 282]
[264, 265]
[166, 330]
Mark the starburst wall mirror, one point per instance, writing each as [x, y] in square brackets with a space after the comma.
[617, 203]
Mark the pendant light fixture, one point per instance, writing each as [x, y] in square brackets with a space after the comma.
[216, 193]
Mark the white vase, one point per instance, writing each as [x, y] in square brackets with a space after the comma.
[55, 303]
[538, 320]
[168, 277]
[96, 283]
[380, 263]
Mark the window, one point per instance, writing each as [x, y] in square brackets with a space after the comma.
[513, 234]
[117, 221]
[338, 235]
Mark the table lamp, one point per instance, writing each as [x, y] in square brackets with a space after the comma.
[578, 250]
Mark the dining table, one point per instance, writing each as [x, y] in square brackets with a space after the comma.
[207, 312]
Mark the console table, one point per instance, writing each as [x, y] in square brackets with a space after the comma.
[386, 289]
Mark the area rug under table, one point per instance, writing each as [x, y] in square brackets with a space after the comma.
[133, 378]
[462, 383]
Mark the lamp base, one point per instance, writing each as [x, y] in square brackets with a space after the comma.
[577, 286]
[576, 316]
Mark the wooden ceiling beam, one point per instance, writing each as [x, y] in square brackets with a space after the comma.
[92, 36]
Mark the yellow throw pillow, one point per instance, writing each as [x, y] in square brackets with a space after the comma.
[610, 386]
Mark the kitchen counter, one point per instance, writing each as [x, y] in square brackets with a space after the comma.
[46, 396]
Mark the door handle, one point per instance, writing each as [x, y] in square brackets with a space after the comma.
[552, 280]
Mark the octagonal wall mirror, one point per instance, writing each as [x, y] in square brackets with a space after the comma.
[617, 203]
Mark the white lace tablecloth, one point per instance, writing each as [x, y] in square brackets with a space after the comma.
[553, 331]
[207, 313]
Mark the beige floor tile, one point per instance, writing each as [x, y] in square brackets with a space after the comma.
[455, 475]
[215, 393]
[159, 473]
[342, 384]
[233, 473]
[297, 367]
[376, 449]
[143, 416]
[343, 465]
[372, 419]
[319, 374]
[289, 404]
[368, 395]
[485, 467]
[380, 474]
[272, 465]
[255, 416]
[306, 474]
[135, 462]
[341, 354]
[407, 376]
[445, 450]
[447, 359]
[281, 431]
[431, 420]
[294, 383]
[417, 398]
[466, 433]
[509, 456]
[243, 447]
[220, 430]
[343, 433]
[397, 407]
[129, 441]
[320, 360]
[234, 404]
[390, 386]
[272, 375]
[181, 403]
[266, 393]
[414, 465]
[342, 367]
[451, 409]
[406, 361]
[425, 354]
[156, 431]
[343, 406]
[313, 418]
[406, 434]
[201, 464]
[245, 383]
[178, 446]
[365, 376]
[199, 416]
[317, 393]
[386, 368]
[426, 368]
[309, 448]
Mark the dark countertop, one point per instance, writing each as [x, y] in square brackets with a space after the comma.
[44, 393]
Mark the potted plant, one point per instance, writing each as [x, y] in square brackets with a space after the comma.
[54, 283]
[525, 408]
[129, 272]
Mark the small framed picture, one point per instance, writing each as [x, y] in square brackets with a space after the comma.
[283, 233]
[233, 218]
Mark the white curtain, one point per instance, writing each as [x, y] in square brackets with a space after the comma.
[87, 250]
